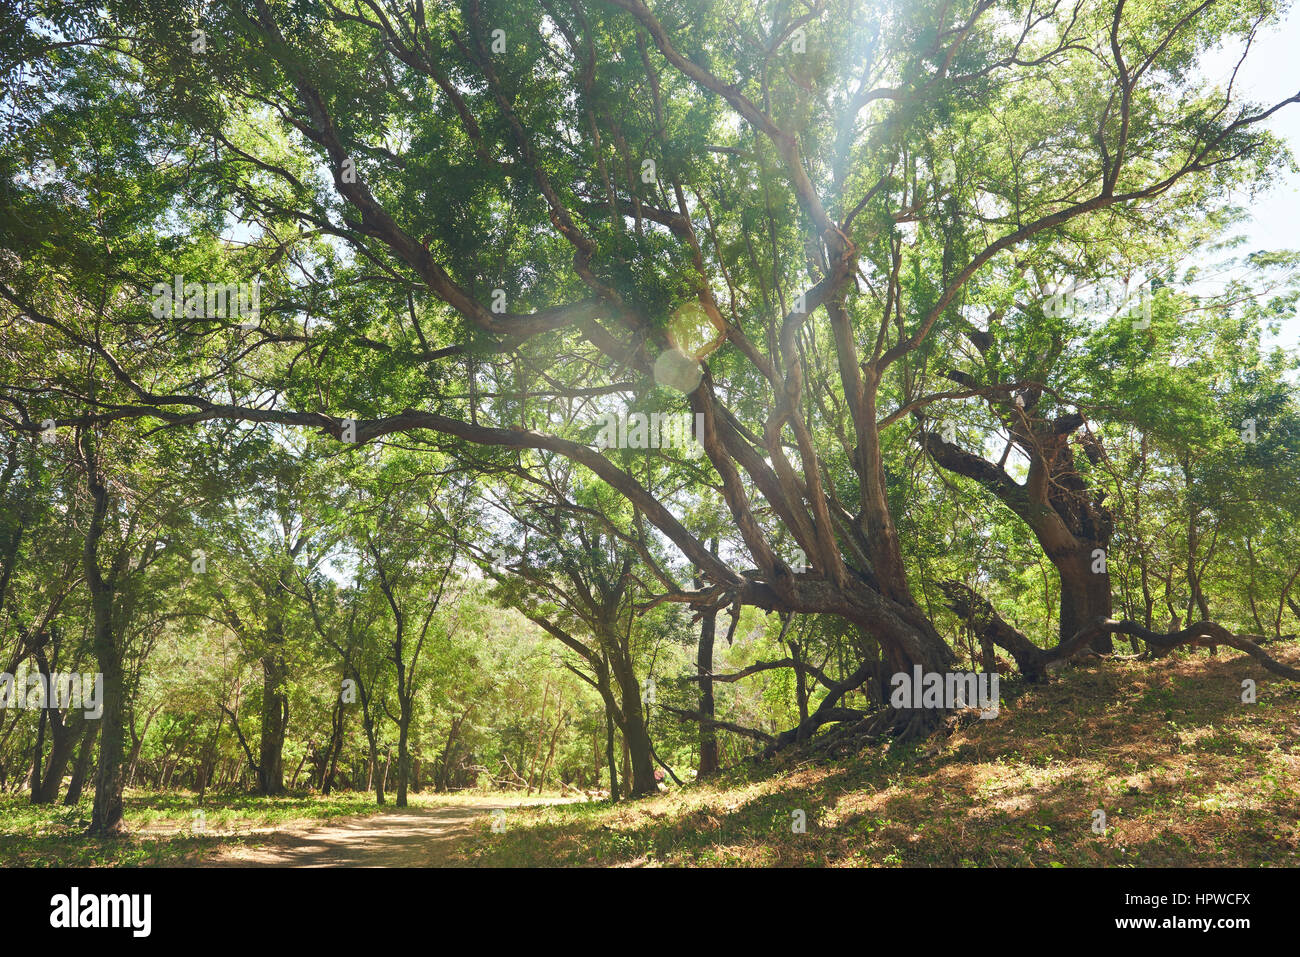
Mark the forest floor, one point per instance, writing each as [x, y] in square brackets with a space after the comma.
[419, 836]
[296, 830]
[1185, 773]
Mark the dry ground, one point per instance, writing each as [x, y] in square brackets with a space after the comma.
[1185, 772]
[419, 836]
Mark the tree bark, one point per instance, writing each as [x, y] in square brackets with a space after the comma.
[335, 748]
[609, 751]
[275, 715]
[1085, 595]
[81, 769]
[638, 763]
[403, 752]
[376, 779]
[637, 739]
[62, 745]
[1070, 521]
[106, 811]
[704, 668]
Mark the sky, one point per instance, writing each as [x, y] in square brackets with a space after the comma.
[1271, 73]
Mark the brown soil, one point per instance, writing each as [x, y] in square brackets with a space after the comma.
[405, 837]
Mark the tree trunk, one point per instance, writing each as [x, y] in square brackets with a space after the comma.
[106, 812]
[1069, 518]
[137, 744]
[541, 735]
[636, 741]
[627, 765]
[275, 714]
[1085, 596]
[446, 763]
[81, 769]
[609, 752]
[403, 753]
[376, 780]
[704, 667]
[63, 744]
[550, 754]
[38, 756]
[335, 748]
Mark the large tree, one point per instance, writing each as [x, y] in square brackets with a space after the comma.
[771, 216]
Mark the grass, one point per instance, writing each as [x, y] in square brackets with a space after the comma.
[165, 828]
[1185, 773]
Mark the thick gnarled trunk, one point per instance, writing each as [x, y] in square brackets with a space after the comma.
[1085, 595]
[1068, 518]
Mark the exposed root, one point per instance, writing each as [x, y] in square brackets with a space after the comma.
[1034, 662]
[854, 730]
[896, 727]
[983, 619]
[1205, 634]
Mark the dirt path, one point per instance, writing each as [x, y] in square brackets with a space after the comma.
[410, 837]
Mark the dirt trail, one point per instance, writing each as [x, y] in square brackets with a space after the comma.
[406, 837]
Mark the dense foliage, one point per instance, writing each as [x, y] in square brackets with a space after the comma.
[405, 395]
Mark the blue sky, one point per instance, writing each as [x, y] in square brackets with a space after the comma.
[1271, 73]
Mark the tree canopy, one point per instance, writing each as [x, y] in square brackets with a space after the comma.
[317, 314]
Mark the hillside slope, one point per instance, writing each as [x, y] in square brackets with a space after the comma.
[1185, 772]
